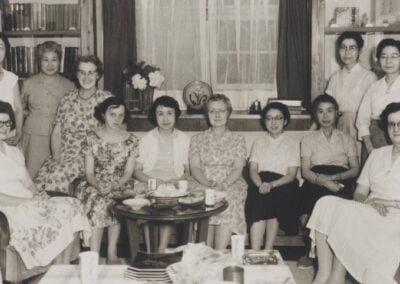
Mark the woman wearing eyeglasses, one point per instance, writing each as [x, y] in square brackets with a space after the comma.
[349, 84]
[329, 160]
[41, 95]
[74, 119]
[273, 194]
[362, 235]
[216, 158]
[379, 95]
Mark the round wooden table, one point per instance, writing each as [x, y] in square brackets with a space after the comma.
[177, 214]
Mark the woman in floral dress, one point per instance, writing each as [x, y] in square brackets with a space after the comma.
[217, 157]
[41, 227]
[74, 120]
[110, 157]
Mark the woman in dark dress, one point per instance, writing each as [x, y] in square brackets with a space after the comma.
[273, 195]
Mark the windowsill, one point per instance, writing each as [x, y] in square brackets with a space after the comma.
[239, 121]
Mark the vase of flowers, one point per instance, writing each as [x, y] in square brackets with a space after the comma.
[144, 78]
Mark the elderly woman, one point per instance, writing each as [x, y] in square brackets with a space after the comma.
[41, 227]
[348, 85]
[41, 94]
[10, 91]
[110, 156]
[379, 95]
[329, 160]
[74, 119]
[217, 157]
[273, 194]
[362, 236]
[163, 153]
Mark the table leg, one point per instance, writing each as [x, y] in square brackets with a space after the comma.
[154, 231]
[203, 230]
[133, 234]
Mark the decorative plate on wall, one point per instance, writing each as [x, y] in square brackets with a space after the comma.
[196, 94]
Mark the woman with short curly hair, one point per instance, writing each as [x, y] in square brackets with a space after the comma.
[74, 119]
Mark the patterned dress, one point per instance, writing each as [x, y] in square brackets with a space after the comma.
[217, 158]
[42, 228]
[109, 165]
[76, 120]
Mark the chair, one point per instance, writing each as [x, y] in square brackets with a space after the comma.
[12, 267]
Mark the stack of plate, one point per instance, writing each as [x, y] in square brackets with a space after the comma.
[153, 275]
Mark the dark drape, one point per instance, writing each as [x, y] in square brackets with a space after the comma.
[119, 41]
[294, 51]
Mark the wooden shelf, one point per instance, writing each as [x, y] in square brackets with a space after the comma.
[75, 33]
[338, 30]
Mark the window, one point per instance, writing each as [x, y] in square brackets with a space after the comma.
[230, 44]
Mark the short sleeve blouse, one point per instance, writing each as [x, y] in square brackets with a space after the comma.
[335, 152]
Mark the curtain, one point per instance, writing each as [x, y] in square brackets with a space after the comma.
[119, 41]
[229, 44]
[294, 51]
[244, 49]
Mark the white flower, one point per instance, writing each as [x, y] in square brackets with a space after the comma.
[138, 82]
[156, 79]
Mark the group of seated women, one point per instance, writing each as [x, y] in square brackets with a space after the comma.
[82, 134]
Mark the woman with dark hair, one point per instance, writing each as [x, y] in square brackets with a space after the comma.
[379, 95]
[110, 154]
[348, 85]
[9, 91]
[41, 94]
[329, 160]
[41, 227]
[362, 236]
[163, 153]
[74, 119]
[217, 157]
[273, 194]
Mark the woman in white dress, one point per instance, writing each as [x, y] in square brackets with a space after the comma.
[363, 235]
[10, 91]
[41, 227]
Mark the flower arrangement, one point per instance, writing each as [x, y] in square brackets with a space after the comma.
[143, 76]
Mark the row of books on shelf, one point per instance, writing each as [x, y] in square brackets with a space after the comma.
[22, 60]
[39, 17]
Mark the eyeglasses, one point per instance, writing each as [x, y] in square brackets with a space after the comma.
[351, 48]
[6, 123]
[89, 73]
[393, 125]
[392, 56]
[220, 111]
[274, 118]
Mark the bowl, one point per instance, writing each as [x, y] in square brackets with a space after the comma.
[136, 203]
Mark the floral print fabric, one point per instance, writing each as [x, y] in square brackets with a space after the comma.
[217, 157]
[76, 118]
[41, 229]
[109, 165]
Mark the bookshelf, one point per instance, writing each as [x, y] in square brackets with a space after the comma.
[374, 19]
[28, 23]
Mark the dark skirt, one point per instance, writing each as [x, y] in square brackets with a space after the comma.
[310, 193]
[281, 203]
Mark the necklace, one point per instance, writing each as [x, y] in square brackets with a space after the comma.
[88, 98]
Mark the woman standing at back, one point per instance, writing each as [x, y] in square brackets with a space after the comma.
[41, 95]
[9, 91]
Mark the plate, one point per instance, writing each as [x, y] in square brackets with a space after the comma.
[191, 200]
[196, 94]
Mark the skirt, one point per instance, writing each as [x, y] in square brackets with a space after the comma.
[282, 203]
[310, 193]
[361, 239]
